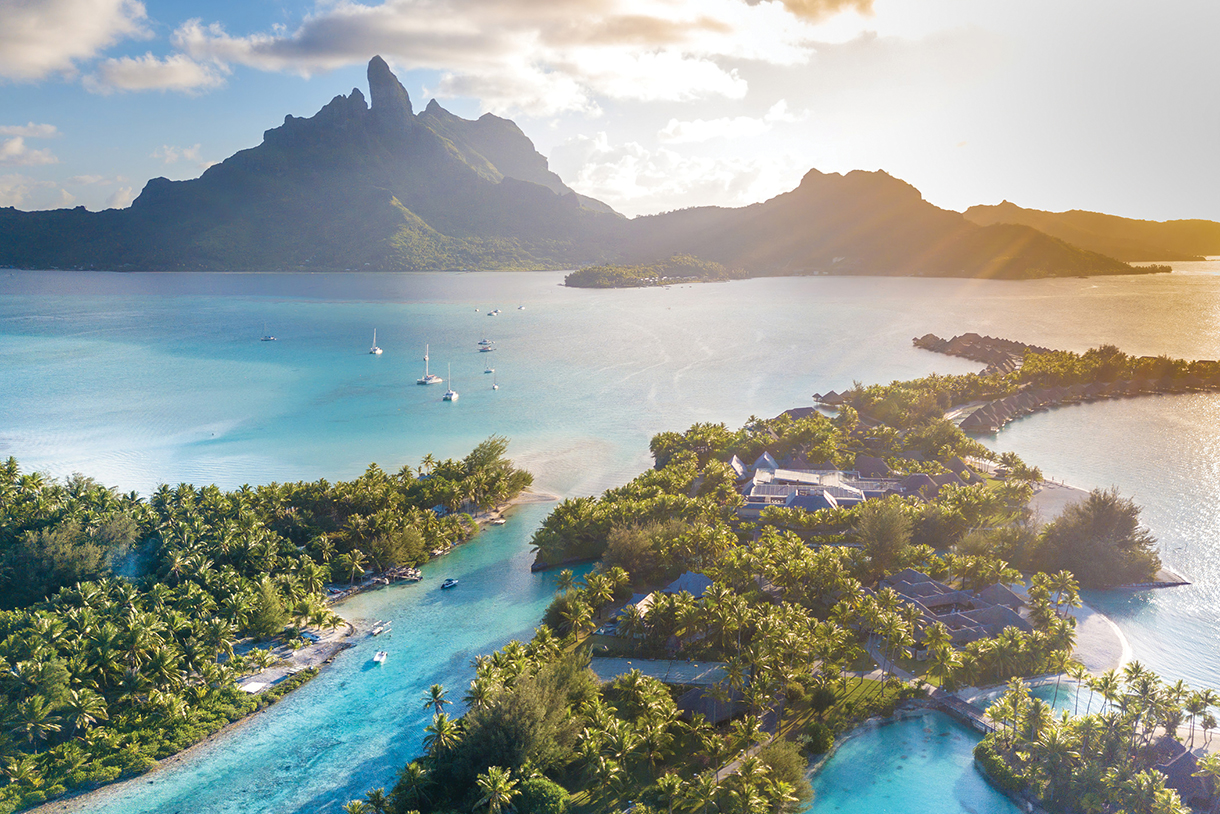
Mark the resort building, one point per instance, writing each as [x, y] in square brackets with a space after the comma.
[969, 616]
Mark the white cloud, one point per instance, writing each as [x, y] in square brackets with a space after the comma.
[737, 127]
[636, 180]
[171, 155]
[121, 199]
[40, 37]
[94, 180]
[15, 190]
[177, 72]
[14, 153]
[539, 57]
[30, 130]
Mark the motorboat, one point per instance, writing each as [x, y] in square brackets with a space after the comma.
[490, 370]
[449, 583]
[484, 341]
[376, 351]
[428, 377]
[486, 349]
[381, 656]
[451, 394]
[499, 521]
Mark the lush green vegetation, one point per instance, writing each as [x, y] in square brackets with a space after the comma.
[1108, 364]
[119, 645]
[681, 268]
[787, 613]
[1098, 761]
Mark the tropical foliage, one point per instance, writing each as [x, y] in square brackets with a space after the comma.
[122, 644]
[1101, 760]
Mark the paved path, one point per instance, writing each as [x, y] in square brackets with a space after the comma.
[670, 671]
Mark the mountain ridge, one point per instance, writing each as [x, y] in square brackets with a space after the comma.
[1128, 239]
[369, 183]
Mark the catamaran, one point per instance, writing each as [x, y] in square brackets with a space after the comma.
[428, 378]
[451, 394]
[376, 351]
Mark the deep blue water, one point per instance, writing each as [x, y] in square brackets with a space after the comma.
[140, 379]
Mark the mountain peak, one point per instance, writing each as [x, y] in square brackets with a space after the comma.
[390, 101]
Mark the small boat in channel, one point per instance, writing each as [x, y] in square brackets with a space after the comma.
[381, 656]
[451, 394]
[428, 377]
[449, 583]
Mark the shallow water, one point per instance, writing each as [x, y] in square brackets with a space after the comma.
[146, 378]
[920, 765]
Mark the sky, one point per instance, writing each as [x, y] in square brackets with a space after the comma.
[648, 105]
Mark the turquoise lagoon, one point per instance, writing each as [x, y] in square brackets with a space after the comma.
[922, 764]
[140, 379]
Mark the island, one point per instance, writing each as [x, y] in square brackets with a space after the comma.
[762, 591]
[681, 268]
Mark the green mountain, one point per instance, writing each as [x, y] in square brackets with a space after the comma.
[860, 223]
[1124, 238]
[375, 185]
[355, 186]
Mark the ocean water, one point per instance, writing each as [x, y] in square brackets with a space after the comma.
[919, 765]
[139, 379]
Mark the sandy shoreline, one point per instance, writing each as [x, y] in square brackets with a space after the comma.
[316, 655]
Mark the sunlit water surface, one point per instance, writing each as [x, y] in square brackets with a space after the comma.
[139, 379]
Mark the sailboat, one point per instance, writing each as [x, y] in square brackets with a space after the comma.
[428, 378]
[451, 394]
[376, 351]
[494, 385]
[266, 336]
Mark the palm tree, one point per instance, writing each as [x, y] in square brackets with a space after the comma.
[434, 697]
[413, 780]
[498, 789]
[702, 793]
[34, 720]
[355, 807]
[669, 787]
[442, 734]
[83, 708]
[377, 801]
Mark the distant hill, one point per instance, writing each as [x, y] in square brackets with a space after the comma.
[1123, 238]
[375, 185]
[860, 223]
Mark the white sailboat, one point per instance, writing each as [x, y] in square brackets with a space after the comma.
[428, 378]
[376, 351]
[266, 336]
[494, 385]
[451, 394]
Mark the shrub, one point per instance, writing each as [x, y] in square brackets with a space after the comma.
[542, 796]
[996, 768]
[820, 737]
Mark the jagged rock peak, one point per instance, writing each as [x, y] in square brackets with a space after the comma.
[389, 98]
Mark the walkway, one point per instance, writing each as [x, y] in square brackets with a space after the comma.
[670, 671]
